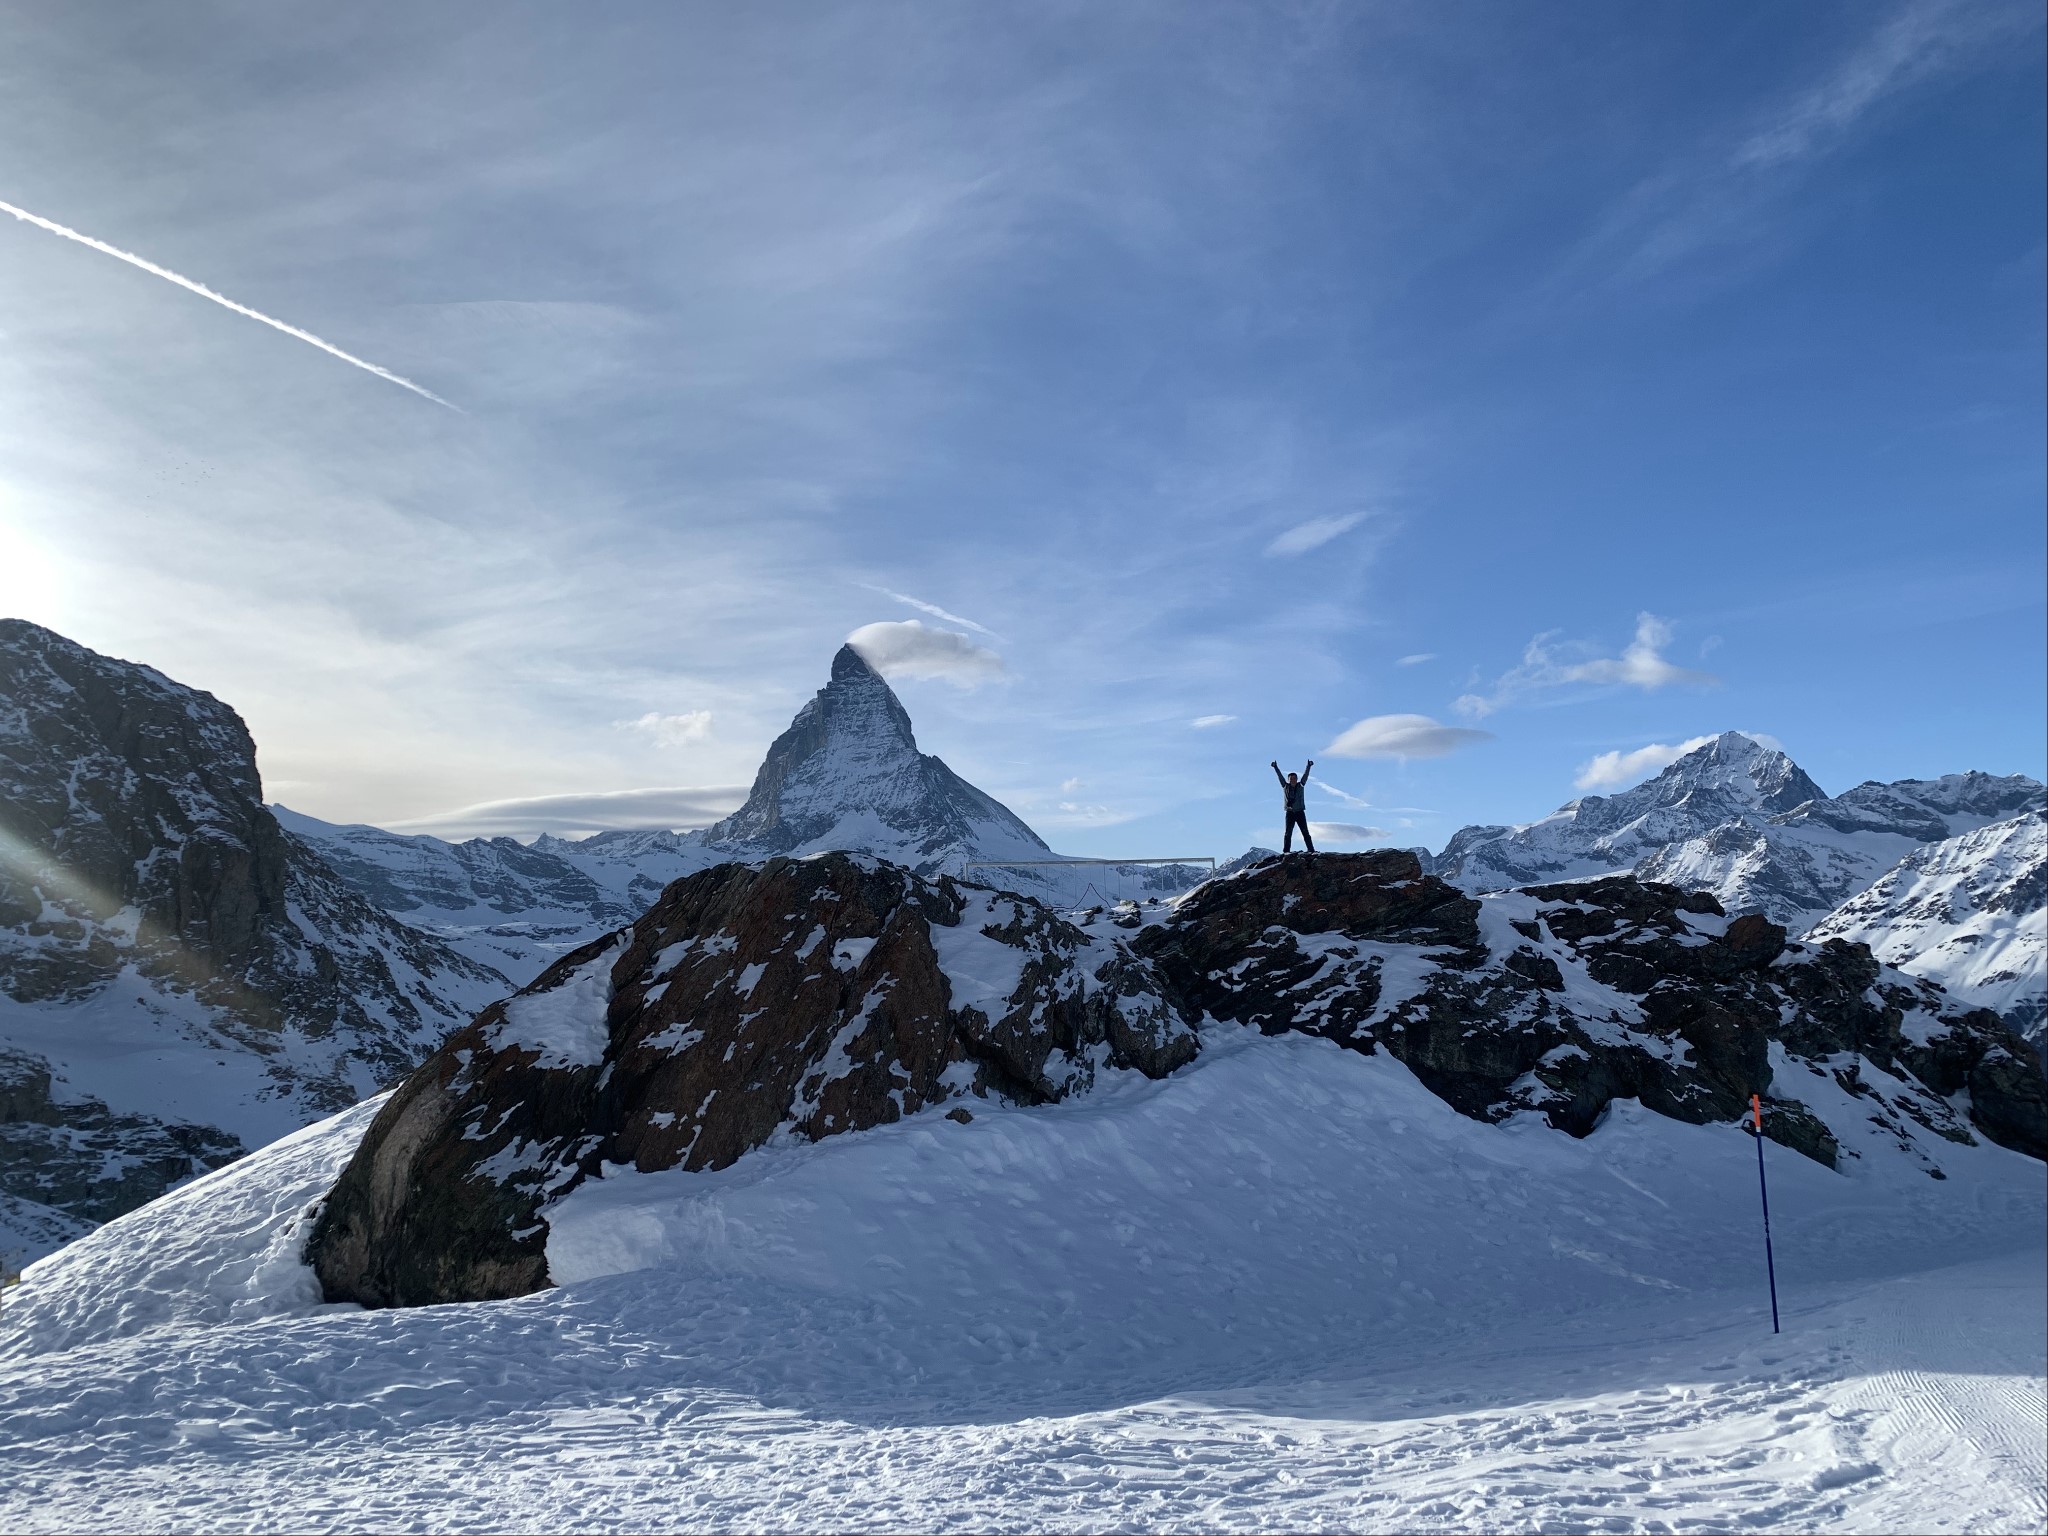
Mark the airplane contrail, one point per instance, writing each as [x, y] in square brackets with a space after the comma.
[222, 299]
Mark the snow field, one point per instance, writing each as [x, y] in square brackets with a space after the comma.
[1285, 1288]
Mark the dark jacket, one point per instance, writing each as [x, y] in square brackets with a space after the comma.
[1297, 792]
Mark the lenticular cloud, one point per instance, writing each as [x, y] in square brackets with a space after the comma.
[221, 299]
[1403, 736]
[906, 648]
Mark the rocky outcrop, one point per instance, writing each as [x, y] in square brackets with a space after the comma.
[799, 998]
[1560, 999]
[149, 904]
[807, 998]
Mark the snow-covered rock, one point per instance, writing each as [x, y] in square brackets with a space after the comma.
[1287, 1288]
[802, 998]
[1970, 912]
[181, 978]
[807, 999]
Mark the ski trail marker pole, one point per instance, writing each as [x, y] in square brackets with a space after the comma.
[1770, 1265]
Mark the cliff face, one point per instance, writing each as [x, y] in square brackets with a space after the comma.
[809, 998]
[180, 978]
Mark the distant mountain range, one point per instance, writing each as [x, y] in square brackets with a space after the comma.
[1741, 819]
[185, 973]
[1941, 877]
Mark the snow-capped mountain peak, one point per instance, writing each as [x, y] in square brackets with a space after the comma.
[848, 774]
[1734, 770]
[1733, 778]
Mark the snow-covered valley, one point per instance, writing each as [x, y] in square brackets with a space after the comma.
[1285, 1288]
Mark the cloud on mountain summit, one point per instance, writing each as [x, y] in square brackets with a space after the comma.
[1612, 770]
[1547, 665]
[911, 648]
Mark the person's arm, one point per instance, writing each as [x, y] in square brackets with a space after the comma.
[1305, 771]
[1279, 775]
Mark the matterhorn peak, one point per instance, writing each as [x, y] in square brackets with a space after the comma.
[847, 774]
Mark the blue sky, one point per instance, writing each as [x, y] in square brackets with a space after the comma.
[1626, 373]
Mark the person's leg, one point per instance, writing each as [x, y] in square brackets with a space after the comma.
[1287, 837]
[1306, 841]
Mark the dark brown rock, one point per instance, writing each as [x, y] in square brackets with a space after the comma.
[803, 997]
[1695, 1001]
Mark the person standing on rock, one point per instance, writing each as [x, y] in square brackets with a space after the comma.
[1296, 791]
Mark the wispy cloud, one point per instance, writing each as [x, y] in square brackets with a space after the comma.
[1404, 736]
[223, 300]
[670, 730]
[908, 648]
[1325, 787]
[931, 608]
[1313, 534]
[1417, 659]
[1210, 722]
[1734, 190]
[1918, 41]
[1546, 665]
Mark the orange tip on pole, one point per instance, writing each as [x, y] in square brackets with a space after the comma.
[1756, 1107]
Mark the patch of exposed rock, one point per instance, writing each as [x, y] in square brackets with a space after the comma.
[802, 997]
[808, 998]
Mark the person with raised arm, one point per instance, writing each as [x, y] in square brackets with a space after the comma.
[1295, 788]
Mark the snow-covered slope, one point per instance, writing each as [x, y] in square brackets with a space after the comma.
[1970, 912]
[181, 979]
[1739, 818]
[1286, 1288]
